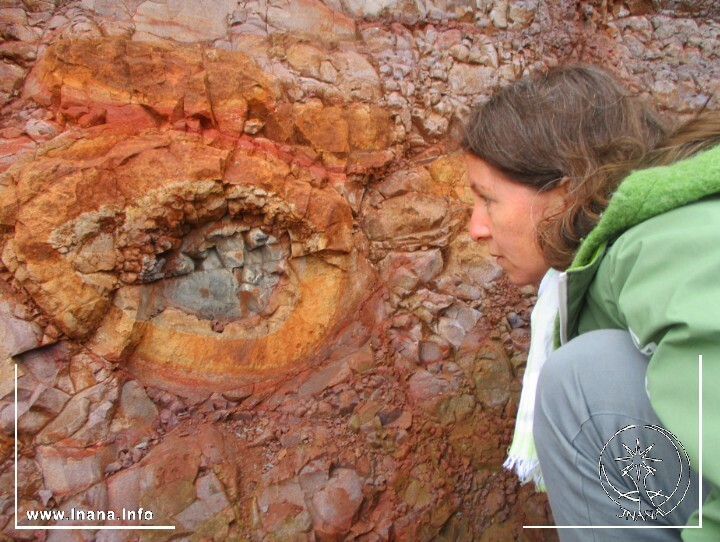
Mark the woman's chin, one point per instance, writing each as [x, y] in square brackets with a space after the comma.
[520, 281]
[519, 277]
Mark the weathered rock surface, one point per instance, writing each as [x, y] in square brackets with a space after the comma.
[235, 273]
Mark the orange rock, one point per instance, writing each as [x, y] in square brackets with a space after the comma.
[216, 88]
[448, 172]
[370, 127]
[405, 215]
[326, 128]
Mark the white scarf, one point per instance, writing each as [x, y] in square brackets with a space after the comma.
[522, 456]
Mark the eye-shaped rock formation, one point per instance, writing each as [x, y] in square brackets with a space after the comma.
[188, 261]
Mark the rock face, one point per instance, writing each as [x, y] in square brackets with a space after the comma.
[236, 278]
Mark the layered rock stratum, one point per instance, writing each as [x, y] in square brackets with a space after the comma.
[237, 285]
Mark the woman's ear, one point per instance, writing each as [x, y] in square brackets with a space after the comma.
[564, 185]
[562, 189]
[556, 200]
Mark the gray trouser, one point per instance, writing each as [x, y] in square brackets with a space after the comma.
[589, 393]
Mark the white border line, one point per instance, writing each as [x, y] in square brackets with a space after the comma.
[16, 446]
[69, 527]
[700, 442]
[700, 480]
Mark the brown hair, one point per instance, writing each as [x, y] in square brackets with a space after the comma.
[699, 133]
[575, 125]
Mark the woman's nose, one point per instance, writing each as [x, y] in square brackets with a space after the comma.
[479, 224]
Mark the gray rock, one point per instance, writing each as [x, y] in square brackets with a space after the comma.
[424, 386]
[432, 351]
[135, 406]
[67, 470]
[252, 274]
[329, 376]
[189, 21]
[209, 294]
[334, 507]
[256, 238]
[275, 252]
[231, 251]
[466, 317]
[451, 330]
[52, 401]
[16, 335]
[211, 261]
[211, 502]
[71, 419]
[178, 264]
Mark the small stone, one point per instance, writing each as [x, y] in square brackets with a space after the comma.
[178, 264]
[515, 320]
[231, 251]
[253, 126]
[450, 330]
[427, 389]
[432, 351]
[113, 467]
[39, 129]
[331, 375]
[11, 78]
[347, 401]
[237, 395]
[136, 411]
[267, 436]
[521, 339]
[460, 52]
[410, 213]
[255, 238]
[404, 421]
[45, 496]
[498, 14]
[333, 508]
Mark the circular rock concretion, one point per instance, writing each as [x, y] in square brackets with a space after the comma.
[194, 265]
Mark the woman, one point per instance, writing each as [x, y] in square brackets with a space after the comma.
[579, 185]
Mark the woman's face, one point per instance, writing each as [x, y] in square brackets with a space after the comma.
[506, 215]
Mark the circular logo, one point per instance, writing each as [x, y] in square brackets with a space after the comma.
[645, 470]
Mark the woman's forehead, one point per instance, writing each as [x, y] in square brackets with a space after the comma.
[482, 175]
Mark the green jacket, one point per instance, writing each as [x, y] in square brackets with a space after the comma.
[652, 266]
